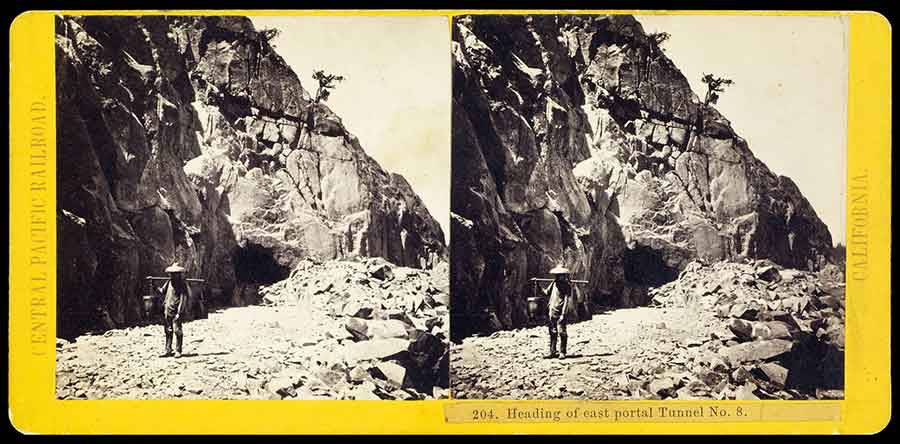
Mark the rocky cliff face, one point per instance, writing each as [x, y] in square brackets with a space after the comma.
[190, 139]
[576, 140]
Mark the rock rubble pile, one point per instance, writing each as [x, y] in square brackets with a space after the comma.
[392, 325]
[780, 335]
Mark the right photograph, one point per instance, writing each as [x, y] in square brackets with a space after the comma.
[648, 207]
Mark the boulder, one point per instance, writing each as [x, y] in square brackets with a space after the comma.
[440, 393]
[789, 275]
[380, 349]
[755, 351]
[742, 329]
[434, 321]
[382, 271]
[442, 299]
[357, 310]
[771, 330]
[741, 375]
[391, 328]
[394, 373]
[358, 328]
[359, 373]
[773, 373]
[769, 273]
[747, 311]
[795, 304]
[663, 387]
[713, 362]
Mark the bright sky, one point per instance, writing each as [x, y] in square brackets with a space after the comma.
[789, 99]
[397, 92]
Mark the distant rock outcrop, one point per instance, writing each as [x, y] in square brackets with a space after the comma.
[576, 140]
[190, 139]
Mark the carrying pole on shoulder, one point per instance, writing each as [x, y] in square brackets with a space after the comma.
[157, 278]
[574, 281]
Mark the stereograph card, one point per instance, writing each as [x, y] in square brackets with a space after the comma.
[449, 221]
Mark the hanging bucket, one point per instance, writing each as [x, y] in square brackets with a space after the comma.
[150, 301]
[536, 307]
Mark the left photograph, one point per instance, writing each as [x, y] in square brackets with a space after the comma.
[252, 207]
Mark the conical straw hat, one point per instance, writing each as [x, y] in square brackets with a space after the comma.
[559, 270]
[175, 268]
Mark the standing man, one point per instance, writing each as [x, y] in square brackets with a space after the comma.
[560, 291]
[177, 297]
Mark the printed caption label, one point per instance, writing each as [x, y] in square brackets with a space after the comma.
[637, 411]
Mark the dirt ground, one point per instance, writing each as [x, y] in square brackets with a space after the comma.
[218, 354]
[603, 352]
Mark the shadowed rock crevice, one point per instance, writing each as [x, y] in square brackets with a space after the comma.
[256, 264]
[645, 266]
[814, 363]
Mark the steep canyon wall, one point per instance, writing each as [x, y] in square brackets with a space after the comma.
[577, 141]
[190, 139]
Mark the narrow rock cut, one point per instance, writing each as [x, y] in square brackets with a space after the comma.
[576, 140]
[190, 139]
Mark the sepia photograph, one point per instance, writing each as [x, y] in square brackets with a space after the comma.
[449, 221]
[252, 207]
[648, 207]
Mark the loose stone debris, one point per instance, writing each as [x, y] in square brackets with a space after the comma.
[746, 331]
[332, 330]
